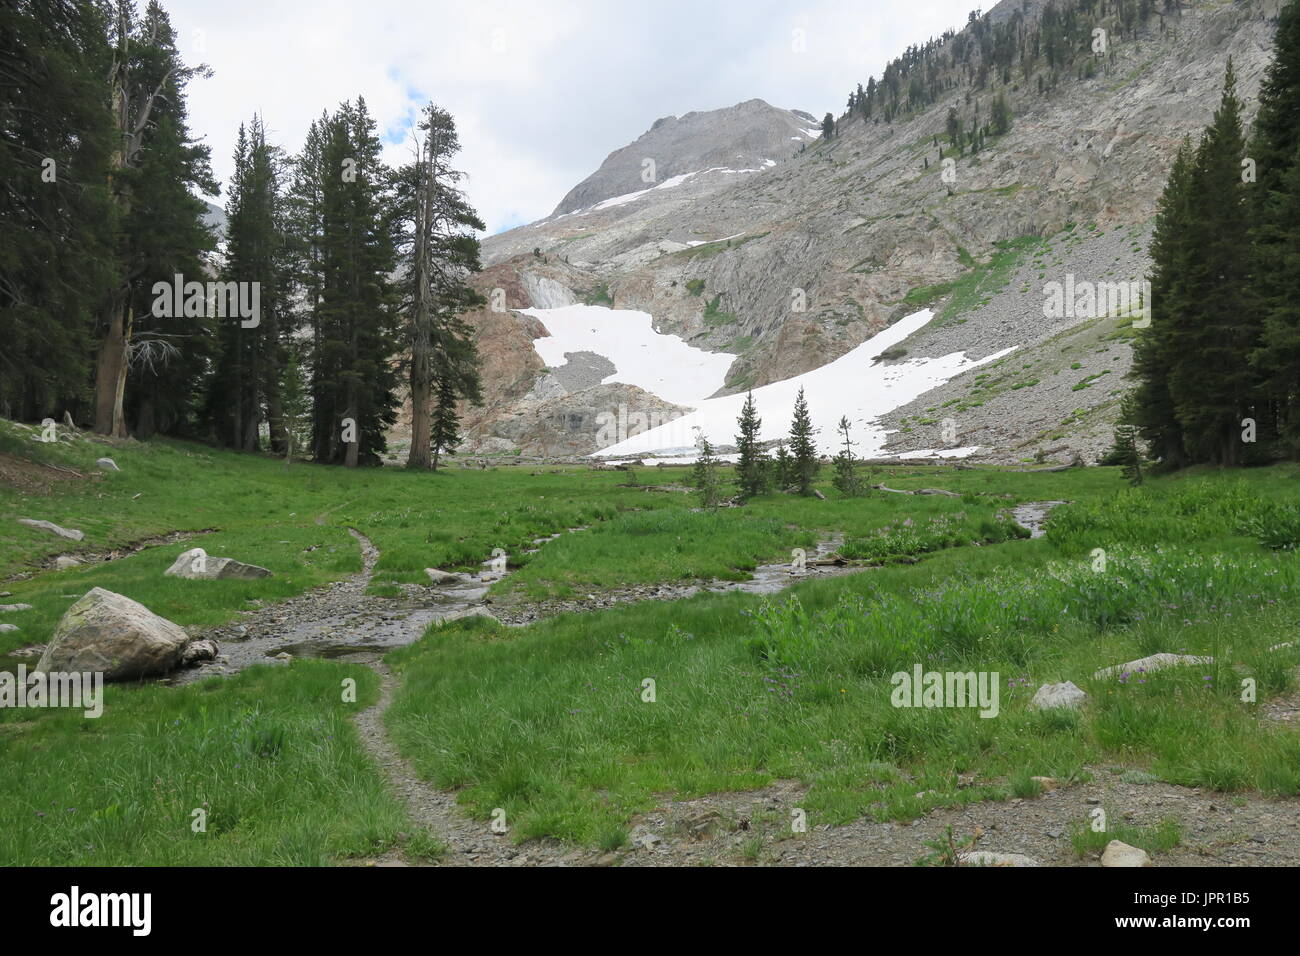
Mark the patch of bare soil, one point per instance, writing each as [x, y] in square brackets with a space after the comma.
[33, 478]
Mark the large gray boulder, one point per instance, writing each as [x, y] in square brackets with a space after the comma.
[197, 565]
[111, 634]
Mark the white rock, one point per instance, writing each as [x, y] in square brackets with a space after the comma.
[6, 628]
[70, 533]
[1156, 662]
[65, 561]
[197, 565]
[441, 577]
[985, 858]
[4, 608]
[107, 464]
[1121, 854]
[1051, 696]
[112, 634]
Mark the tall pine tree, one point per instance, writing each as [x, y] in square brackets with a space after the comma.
[439, 253]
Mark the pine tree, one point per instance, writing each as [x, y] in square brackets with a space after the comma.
[1001, 116]
[444, 426]
[751, 469]
[846, 478]
[828, 126]
[56, 215]
[782, 468]
[245, 386]
[704, 474]
[147, 79]
[295, 404]
[1275, 210]
[440, 253]
[354, 324]
[1126, 451]
[1210, 379]
[1155, 348]
[803, 447]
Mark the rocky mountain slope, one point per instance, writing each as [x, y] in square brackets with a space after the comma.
[790, 261]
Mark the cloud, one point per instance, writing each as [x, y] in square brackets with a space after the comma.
[542, 90]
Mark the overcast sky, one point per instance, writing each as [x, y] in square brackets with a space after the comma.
[541, 91]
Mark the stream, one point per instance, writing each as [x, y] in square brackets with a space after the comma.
[342, 622]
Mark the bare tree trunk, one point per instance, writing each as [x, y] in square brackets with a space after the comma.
[111, 368]
[352, 456]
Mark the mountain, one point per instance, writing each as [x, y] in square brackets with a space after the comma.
[790, 262]
[749, 136]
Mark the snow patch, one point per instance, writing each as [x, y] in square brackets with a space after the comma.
[854, 385]
[661, 364]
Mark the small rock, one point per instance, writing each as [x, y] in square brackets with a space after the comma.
[438, 576]
[5, 608]
[70, 533]
[1051, 696]
[283, 656]
[1121, 854]
[1047, 784]
[65, 561]
[6, 628]
[199, 651]
[107, 464]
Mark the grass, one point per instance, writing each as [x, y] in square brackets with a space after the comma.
[713, 315]
[549, 722]
[269, 756]
[978, 284]
[750, 691]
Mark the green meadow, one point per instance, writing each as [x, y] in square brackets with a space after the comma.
[551, 722]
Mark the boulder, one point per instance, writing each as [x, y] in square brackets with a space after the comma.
[6, 628]
[197, 565]
[65, 561]
[6, 608]
[1051, 696]
[107, 464]
[70, 533]
[112, 634]
[1156, 662]
[1121, 854]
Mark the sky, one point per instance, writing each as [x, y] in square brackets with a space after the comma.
[541, 91]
